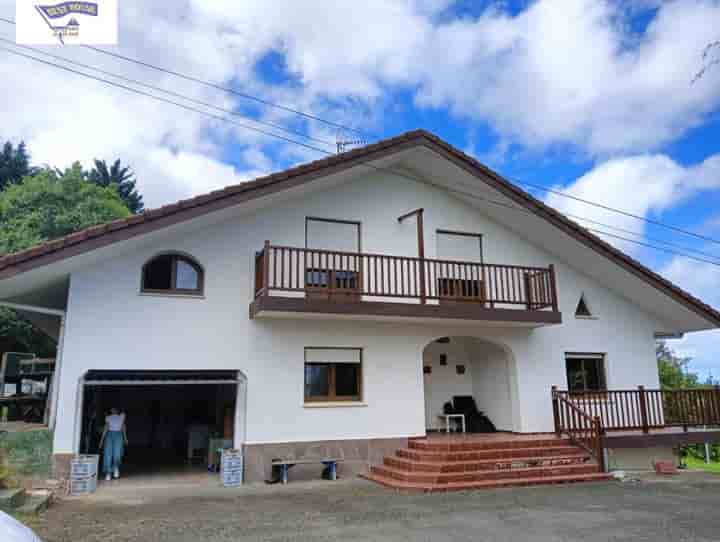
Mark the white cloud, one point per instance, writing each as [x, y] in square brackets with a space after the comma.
[557, 72]
[644, 185]
[702, 280]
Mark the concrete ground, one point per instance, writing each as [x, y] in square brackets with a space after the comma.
[653, 509]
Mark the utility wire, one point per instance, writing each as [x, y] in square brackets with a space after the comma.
[155, 97]
[169, 92]
[337, 125]
[215, 86]
[326, 152]
[620, 211]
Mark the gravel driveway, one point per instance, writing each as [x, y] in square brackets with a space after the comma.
[685, 508]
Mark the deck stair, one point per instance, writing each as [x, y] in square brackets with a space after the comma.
[438, 464]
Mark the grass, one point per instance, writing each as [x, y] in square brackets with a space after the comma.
[694, 463]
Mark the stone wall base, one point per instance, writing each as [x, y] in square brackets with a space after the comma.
[640, 459]
[357, 456]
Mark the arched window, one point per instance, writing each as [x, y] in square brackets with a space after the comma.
[172, 274]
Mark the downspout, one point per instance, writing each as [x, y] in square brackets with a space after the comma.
[58, 358]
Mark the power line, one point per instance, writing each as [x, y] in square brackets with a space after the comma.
[153, 96]
[326, 152]
[620, 211]
[345, 127]
[169, 92]
[215, 86]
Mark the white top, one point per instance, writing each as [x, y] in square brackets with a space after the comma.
[115, 421]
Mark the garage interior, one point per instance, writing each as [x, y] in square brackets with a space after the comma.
[175, 420]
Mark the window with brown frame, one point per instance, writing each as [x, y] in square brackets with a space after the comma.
[585, 372]
[333, 374]
[172, 274]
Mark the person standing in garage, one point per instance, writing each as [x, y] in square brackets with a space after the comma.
[114, 438]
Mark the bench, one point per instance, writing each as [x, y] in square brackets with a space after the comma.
[285, 465]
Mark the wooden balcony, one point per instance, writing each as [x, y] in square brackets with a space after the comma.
[638, 418]
[292, 281]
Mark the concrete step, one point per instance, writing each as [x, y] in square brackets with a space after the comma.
[481, 455]
[11, 499]
[464, 486]
[482, 476]
[486, 464]
[34, 505]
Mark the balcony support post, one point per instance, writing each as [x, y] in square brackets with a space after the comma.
[553, 287]
[266, 269]
[418, 213]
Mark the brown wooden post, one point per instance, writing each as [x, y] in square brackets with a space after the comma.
[553, 287]
[556, 410]
[598, 430]
[266, 268]
[418, 213]
[643, 410]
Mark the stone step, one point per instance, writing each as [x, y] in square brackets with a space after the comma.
[486, 464]
[11, 498]
[491, 484]
[478, 445]
[34, 505]
[480, 455]
[483, 475]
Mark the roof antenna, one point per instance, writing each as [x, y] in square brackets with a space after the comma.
[343, 144]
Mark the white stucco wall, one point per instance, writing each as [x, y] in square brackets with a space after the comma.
[111, 326]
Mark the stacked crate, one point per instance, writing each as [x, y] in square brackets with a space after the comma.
[231, 468]
[83, 474]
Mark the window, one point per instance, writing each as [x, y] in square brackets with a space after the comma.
[583, 310]
[333, 374]
[172, 274]
[585, 372]
[461, 246]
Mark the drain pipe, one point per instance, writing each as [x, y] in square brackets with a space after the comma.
[54, 388]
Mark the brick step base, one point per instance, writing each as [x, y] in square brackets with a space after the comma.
[486, 454]
[464, 486]
[501, 464]
[483, 475]
[479, 445]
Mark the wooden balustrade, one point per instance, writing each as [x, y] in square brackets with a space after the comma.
[584, 430]
[348, 276]
[643, 409]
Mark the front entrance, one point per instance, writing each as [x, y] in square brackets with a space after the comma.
[467, 369]
[175, 420]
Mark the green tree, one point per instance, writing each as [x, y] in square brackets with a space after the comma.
[673, 369]
[120, 176]
[49, 205]
[14, 164]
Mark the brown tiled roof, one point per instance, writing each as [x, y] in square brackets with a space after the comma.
[151, 220]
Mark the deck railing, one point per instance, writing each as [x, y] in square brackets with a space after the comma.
[584, 430]
[349, 276]
[643, 409]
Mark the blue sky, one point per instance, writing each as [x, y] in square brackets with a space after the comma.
[590, 97]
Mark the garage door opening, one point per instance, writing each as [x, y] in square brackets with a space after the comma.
[176, 420]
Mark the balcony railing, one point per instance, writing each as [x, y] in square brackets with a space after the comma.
[641, 409]
[349, 276]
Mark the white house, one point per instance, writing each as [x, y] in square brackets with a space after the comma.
[296, 314]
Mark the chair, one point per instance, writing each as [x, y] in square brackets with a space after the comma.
[475, 420]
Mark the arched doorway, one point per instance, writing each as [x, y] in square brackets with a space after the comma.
[470, 366]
